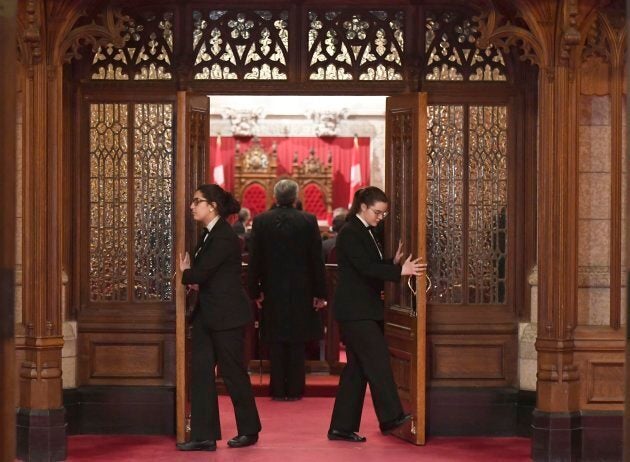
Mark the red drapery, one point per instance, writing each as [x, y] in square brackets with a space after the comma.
[339, 147]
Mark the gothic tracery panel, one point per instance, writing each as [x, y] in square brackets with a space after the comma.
[131, 188]
[451, 52]
[230, 44]
[445, 202]
[147, 55]
[109, 223]
[487, 204]
[366, 45]
[467, 207]
[153, 202]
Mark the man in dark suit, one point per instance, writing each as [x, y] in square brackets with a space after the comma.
[286, 275]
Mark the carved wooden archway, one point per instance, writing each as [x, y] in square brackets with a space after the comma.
[549, 34]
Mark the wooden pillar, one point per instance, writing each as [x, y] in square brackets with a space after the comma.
[41, 427]
[556, 418]
[626, 414]
[7, 229]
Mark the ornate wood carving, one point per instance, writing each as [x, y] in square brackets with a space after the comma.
[32, 33]
[255, 166]
[110, 29]
[496, 29]
[240, 44]
[312, 171]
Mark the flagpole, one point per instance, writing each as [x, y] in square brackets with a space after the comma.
[355, 171]
[218, 173]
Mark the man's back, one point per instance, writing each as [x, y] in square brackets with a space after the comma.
[286, 265]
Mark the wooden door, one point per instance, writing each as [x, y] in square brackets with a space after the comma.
[405, 312]
[192, 151]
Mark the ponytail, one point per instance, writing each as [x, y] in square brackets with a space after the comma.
[368, 196]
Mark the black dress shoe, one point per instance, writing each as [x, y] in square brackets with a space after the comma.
[206, 445]
[240, 441]
[390, 426]
[278, 398]
[293, 398]
[340, 435]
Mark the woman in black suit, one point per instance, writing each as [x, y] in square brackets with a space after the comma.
[218, 324]
[359, 310]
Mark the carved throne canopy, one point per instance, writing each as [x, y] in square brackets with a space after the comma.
[255, 175]
[315, 180]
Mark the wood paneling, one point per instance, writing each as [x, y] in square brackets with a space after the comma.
[599, 357]
[126, 359]
[604, 382]
[465, 361]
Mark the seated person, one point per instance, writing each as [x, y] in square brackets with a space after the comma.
[242, 228]
[241, 225]
[339, 218]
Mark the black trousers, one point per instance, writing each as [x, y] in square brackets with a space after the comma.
[368, 362]
[224, 348]
[287, 369]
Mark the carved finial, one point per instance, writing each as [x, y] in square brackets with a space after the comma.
[570, 34]
[32, 35]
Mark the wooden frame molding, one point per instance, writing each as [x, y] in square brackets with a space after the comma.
[7, 230]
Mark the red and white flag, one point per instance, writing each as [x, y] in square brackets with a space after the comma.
[217, 173]
[355, 171]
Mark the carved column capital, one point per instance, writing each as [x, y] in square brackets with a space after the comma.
[244, 123]
[30, 33]
[327, 122]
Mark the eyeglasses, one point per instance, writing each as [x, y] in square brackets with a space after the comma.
[379, 213]
[197, 200]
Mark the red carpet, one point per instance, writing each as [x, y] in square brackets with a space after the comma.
[323, 385]
[296, 431]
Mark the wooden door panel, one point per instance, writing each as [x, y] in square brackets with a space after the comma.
[405, 312]
[192, 150]
[124, 235]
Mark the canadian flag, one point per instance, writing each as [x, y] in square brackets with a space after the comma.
[217, 173]
[355, 171]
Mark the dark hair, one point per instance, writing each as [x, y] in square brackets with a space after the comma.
[244, 214]
[368, 196]
[226, 203]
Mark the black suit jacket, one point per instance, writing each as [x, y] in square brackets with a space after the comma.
[285, 263]
[362, 273]
[223, 302]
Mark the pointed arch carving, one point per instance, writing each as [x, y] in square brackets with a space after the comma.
[499, 31]
[604, 36]
[109, 29]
